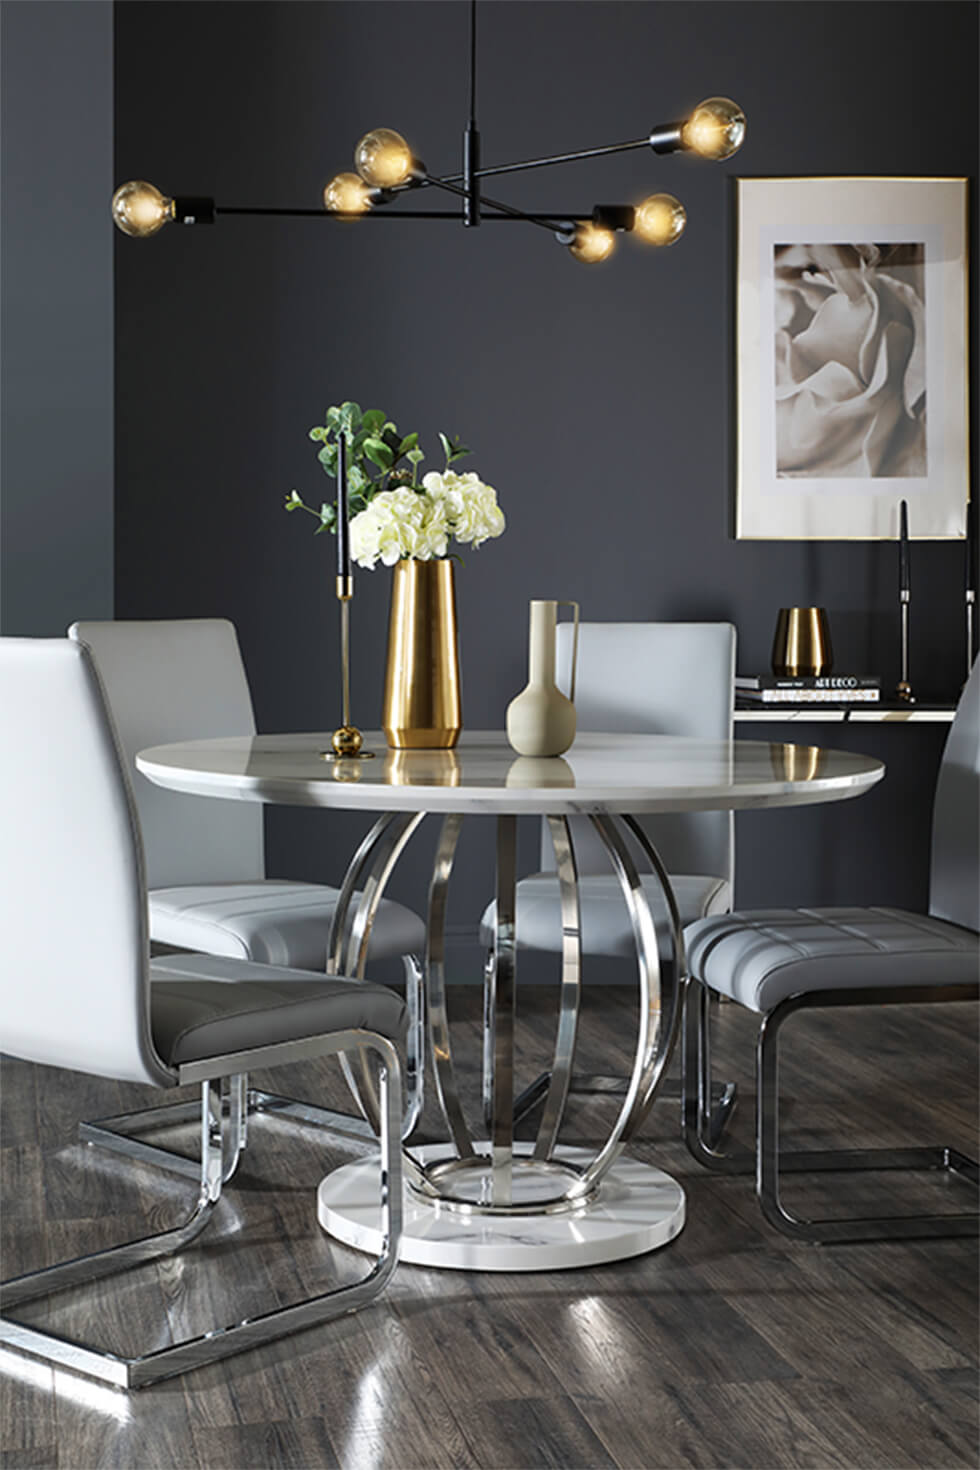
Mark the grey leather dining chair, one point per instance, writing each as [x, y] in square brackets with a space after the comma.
[657, 678]
[182, 679]
[776, 962]
[78, 991]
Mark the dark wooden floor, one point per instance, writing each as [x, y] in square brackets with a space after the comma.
[731, 1347]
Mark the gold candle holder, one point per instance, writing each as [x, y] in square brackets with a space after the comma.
[347, 740]
[801, 647]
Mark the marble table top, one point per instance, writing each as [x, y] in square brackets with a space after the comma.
[600, 773]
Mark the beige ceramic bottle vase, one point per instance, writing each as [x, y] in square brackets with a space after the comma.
[541, 720]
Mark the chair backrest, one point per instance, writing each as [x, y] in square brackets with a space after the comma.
[662, 678]
[74, 966]
[181, 679]
[954, 887]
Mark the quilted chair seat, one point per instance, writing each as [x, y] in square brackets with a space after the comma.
[272, 921]
[761, 958]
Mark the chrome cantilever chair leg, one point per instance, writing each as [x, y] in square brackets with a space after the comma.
[345, 1124]
[123, 1133]
[768, 1161]
[221, 1135]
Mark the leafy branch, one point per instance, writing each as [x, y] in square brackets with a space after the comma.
[378, 457]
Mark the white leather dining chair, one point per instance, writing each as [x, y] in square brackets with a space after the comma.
[776, 962]
[78, 991]
[181, 679]
[656, 678]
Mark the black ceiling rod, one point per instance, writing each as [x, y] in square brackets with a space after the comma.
[471, 140]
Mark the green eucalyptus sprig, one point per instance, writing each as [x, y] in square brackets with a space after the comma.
[378, 457]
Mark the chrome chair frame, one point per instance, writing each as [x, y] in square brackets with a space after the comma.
[348, 946]
[223, 1126]
[705, 1123]
[122, 1133]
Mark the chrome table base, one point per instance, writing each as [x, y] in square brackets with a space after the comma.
[496, 1196]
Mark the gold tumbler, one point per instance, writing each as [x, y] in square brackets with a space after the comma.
[421, 700]
[801, 647]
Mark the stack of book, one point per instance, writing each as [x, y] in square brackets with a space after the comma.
[823, 689]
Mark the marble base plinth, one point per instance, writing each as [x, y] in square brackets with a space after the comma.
[637, 1209]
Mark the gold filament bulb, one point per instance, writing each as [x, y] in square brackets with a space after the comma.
[592, 243]
[347, 194]
[715, 129]
[383, 159]
[660, 220]
[139, 209]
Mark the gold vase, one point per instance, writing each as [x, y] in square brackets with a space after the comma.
[801, 646]
[421, 701]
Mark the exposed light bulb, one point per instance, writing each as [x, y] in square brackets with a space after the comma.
[139, 209]
[660, 220]
[347, 194]
[592, 243]
[383, 159]
[715, 129]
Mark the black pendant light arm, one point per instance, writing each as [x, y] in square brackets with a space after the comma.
[505, 214]
[527, 163]
[333, 214]
[665, 138]
[507, 209]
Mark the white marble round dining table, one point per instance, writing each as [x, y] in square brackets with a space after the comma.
[491, 1203]
[600, 773]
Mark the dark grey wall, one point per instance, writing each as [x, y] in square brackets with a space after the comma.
[56, 459]
[597, 400]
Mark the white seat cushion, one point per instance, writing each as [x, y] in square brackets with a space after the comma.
[606, 927]
[762, 957]
[272, 922]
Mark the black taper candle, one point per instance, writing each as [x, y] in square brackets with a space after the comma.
[343, 527]
[903, 547]
[971, 547]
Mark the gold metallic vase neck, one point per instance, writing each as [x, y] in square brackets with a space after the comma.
[801, 647]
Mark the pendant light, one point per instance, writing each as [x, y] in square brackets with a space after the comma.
[387, 173]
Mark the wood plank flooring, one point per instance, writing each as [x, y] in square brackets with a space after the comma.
[731, 1347]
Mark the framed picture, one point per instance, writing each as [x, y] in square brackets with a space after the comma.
[851, 358]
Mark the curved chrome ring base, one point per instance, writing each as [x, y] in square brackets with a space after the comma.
[533, 1184]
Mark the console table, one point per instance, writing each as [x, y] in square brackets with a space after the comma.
[479, 1200]
[856, 714]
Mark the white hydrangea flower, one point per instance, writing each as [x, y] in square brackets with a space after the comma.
[408, 523]
[471, 506]
[436, 529]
